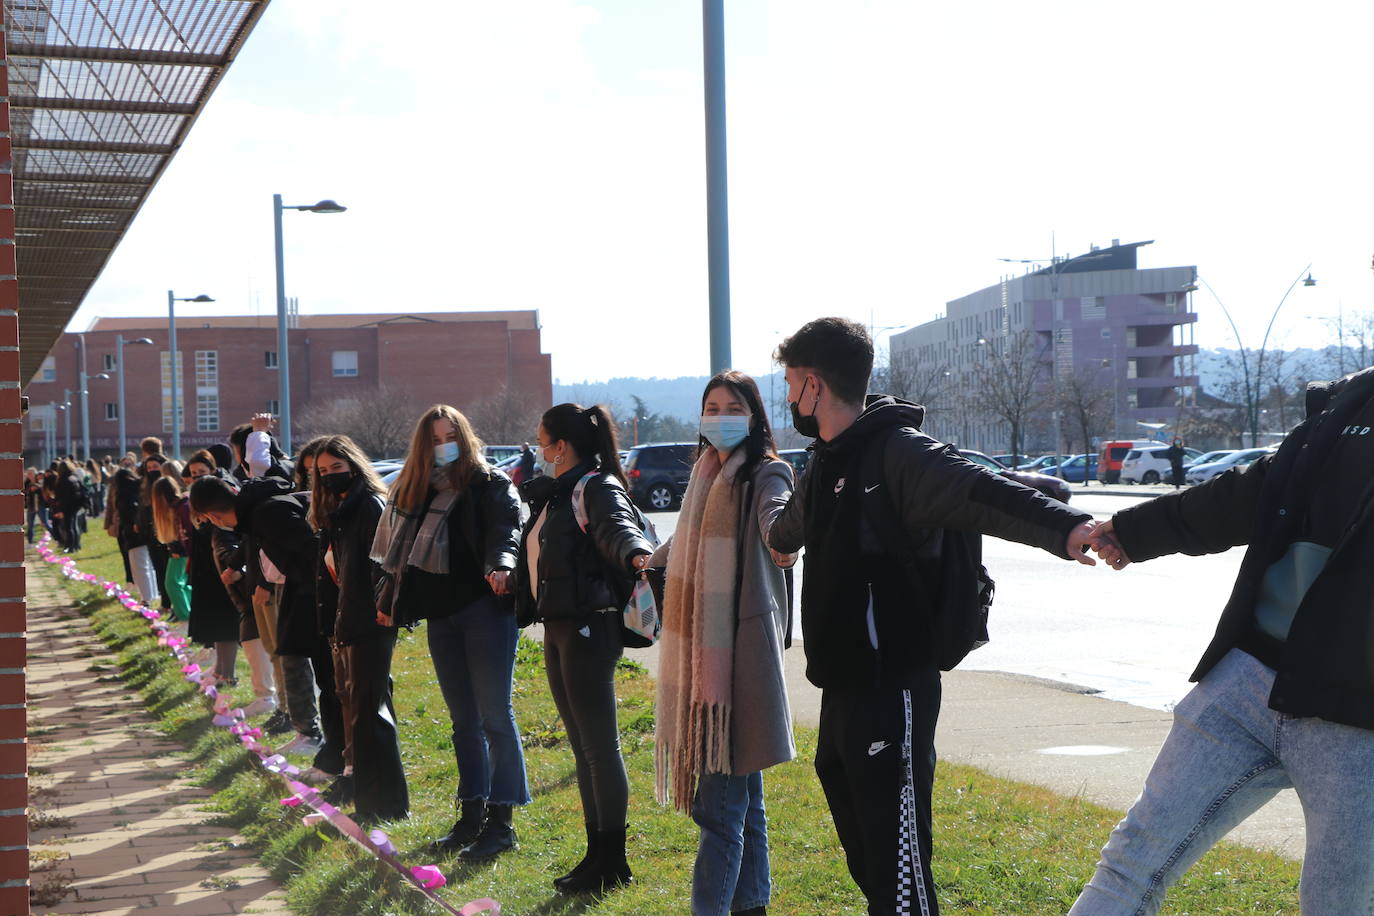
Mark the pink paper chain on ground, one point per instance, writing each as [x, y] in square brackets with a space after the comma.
[424, 878]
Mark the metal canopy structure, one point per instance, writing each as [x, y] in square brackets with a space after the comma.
[102, 95]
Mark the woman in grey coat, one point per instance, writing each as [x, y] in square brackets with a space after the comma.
[722, 712]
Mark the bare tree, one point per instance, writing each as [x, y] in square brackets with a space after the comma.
[1285, 382]
[1084, 400]
[902, 375]
[1011, 383]
[1354, 334]
[380, 420]
[508, 417]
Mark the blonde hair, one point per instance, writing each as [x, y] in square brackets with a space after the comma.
[166, 493]
[323, 500]
[412, 484]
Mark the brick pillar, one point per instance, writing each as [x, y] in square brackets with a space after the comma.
[14, 828]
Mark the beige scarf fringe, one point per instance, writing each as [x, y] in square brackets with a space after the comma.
[696, 660]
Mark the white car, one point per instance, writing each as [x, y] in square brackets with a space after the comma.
[1201, 473]
[1208, 458]
[1150, 464]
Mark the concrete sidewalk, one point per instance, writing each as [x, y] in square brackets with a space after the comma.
[111, 811]
[1052, 735]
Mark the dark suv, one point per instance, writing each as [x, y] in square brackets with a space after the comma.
[658, 474]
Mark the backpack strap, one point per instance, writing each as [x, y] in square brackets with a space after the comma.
[579, 488]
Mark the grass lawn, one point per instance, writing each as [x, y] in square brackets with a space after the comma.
[1001, 847]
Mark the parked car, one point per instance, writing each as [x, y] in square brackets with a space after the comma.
[797, 457]
[1039, 464]
[1110, 455]
[1151, 464]
[1207, 457]
[499, 453]
[1075, 469]
[1050, 486]
[658, 473]
[1007, 461]
[1201, 473]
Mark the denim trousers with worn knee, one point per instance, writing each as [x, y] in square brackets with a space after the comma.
[474, 659]
[731, 871]
[1227, 754]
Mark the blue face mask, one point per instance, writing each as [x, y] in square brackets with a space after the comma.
[445, 453]
[724, 431]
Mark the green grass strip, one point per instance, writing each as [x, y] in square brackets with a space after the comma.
[1000, 847]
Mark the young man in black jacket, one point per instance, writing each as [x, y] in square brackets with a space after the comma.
[1285, 691]
[866, 623]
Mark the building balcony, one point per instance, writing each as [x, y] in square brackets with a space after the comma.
[1163, 381]
[1161, 318]
[1164, 350]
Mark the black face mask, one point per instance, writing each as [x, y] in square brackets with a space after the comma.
[337, 483]
[808, 426]
[153, 475]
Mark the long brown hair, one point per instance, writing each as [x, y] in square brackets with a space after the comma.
[166, 493]
[412, 484]
[324, 500]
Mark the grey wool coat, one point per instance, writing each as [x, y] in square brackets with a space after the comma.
[761, 718]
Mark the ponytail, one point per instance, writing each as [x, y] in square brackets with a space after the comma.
[591, 433]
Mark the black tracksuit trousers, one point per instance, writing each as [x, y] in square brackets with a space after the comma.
[875, 757]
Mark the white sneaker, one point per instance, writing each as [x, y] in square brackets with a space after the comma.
[260, 706]
[301, 744]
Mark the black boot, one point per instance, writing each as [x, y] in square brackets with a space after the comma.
[466, 829]
[340, 791]
[496, 837]
[610, 869]
[588, 861]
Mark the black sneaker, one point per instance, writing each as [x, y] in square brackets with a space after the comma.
[278, 723]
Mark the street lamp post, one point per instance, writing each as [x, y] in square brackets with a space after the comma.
[1253, 384]
[67, 420]
[86, 413]
[174, 365]
[119, 374]
[283, 351]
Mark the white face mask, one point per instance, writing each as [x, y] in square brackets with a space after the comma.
[724, 431]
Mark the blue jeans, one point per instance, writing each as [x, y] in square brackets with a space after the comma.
[1227, 754]
[731, 871]
[474, 659]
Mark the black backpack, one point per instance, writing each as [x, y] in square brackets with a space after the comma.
[948, 565]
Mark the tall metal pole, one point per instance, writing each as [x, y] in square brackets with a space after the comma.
[67, 420]
[717, 198]
[283, 351]
[174, 373]
[119, 365]
[85, 404]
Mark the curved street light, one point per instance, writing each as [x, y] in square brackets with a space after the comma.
[119, 376]
[175, 368]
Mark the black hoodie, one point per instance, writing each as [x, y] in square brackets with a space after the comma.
[863, 622]
[273, 519]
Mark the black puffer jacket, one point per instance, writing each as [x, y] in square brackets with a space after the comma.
[1325, 667]
[485, 525]
[579, 572]
[852, 588]
[350, 605]
[276, 523]
[126, 497]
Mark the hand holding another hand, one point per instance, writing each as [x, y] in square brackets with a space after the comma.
[784, 560]
[1106, 545]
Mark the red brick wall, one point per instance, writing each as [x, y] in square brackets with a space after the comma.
[457, 363]
[14, 830]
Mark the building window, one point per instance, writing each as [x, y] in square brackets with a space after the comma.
[274, 407]
[167, 376]
[107, 362]
[207, 412]
[345, 363]
[48, 373]
[269, 359]
[1094, 308]
[111, 411]
[38, 422]
[207, 369]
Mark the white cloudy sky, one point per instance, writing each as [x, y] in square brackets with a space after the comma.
[883, 155]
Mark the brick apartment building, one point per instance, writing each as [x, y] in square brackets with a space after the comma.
[229, 370]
